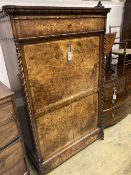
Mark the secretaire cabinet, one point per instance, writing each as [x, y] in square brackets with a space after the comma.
[54, 59]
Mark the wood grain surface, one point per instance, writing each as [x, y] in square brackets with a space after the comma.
[62, 127]
[4, 91]
[12, 160]
[8, 132]
[120, 85]
[115, 115]
[52, 78]
[64, 94]
[6, 110]
[58, 25]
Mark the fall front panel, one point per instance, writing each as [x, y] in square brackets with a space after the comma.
[53, 78]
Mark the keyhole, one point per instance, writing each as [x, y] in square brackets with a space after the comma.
[69, 56]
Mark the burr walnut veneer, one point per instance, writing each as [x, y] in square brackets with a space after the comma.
[60, 59]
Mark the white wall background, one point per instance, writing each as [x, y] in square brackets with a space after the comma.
[114, 17]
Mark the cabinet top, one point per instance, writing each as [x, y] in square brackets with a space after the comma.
[13, 10]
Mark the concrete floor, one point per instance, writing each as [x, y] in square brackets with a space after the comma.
[109, 157]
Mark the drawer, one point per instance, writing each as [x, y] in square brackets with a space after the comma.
[120, 87]
[109, 103]
[8, 132]
[113, 116]
[57, 25]
[6, 111]
[12, 160]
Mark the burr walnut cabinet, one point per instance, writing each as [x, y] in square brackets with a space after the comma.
[54, 59]
[12, 159]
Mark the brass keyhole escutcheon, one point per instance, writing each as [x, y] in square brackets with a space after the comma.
[69, 55]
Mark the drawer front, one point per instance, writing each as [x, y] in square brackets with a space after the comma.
[6, 111]
[57, 25]
[62, 127]
[8, 132]
[53, 79]
[120, 87]
[113, 116]
[12, 160]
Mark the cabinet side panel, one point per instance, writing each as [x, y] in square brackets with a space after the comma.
[11, 62]
[9, 52]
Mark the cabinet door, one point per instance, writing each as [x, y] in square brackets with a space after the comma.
[62, 81]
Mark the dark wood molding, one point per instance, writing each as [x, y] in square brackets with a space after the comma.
[39, 10]
[39, 39]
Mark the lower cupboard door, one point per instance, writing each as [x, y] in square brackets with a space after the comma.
[12, 160]
[62, 127]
